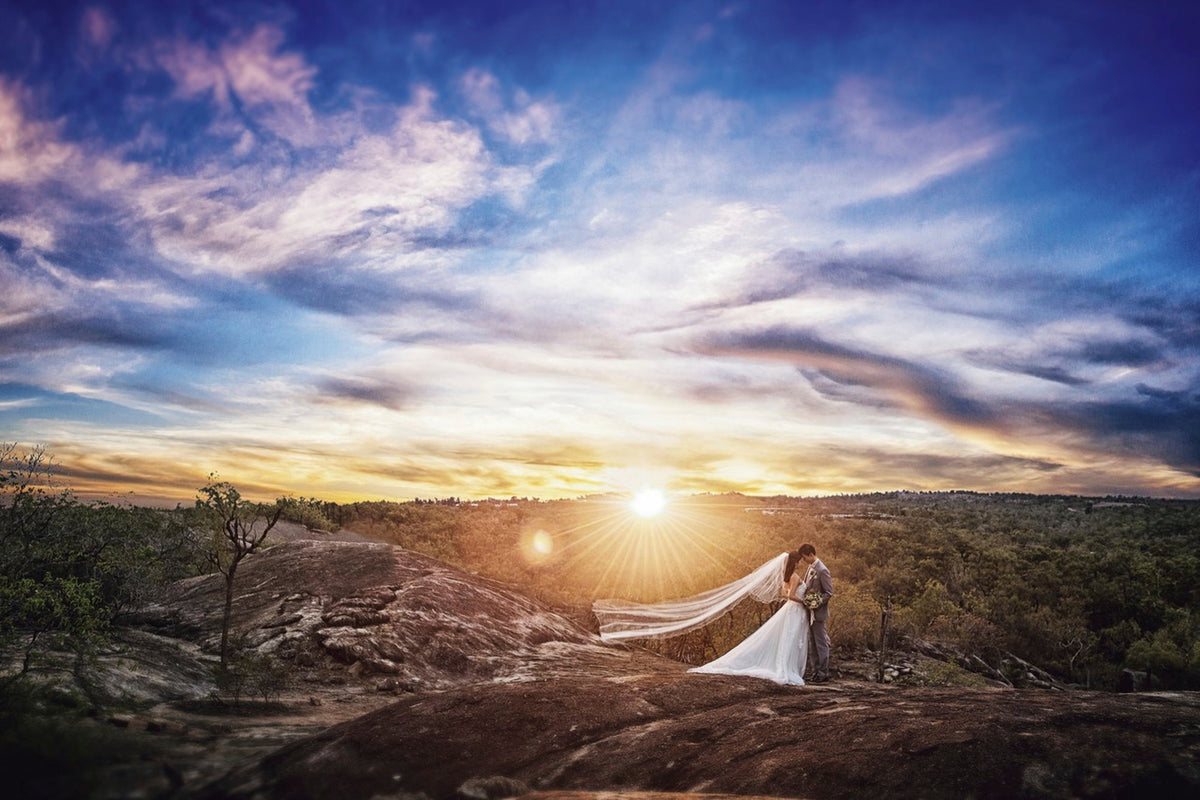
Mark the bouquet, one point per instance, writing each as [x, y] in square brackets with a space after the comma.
[813, 599]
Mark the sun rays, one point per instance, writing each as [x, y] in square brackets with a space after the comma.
[649, 547]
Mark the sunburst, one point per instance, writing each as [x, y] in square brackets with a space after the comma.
[650, 547]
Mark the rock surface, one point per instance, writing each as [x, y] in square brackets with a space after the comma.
[689, 733]
[411, 679]
[377, 611]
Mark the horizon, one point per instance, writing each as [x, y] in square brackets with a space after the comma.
[627, 498]
[355, 249]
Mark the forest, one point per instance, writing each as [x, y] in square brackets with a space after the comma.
[1082, 587]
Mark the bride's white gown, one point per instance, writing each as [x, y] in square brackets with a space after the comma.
[776, 651]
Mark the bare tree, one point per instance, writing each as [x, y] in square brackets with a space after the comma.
[239, 527]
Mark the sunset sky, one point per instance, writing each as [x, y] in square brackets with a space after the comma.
[385, 250]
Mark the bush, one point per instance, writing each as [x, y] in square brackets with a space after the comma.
[931, 672]
[46, 748]
[248, 671]
[854, 618]
[315, 515]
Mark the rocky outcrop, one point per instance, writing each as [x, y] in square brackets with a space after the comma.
[690, 733]
[416, 680]
[375, 610]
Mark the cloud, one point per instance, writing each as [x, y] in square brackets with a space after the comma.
[789, 273]
[30, 151]
[1175, 317]
[703, 249]
[914, 151]
[1077, 353]
[521, 120]
[246, 75]
[1158, 424]
[97, 29]
[23, 402]
[374, 391]
[34, 154]
[372, 200]
[343, 288]
[40, 334]
[928, 391]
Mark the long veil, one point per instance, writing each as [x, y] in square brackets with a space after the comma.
[620, 619]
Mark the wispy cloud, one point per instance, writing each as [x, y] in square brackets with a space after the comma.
[371, 200]
[720, 250]
[521, 120]
[921, 389]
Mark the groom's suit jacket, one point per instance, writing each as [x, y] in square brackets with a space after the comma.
[819, 579]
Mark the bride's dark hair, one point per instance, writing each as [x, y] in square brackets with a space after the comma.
[792, 559]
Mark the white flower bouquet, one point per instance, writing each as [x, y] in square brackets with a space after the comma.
[813, 599]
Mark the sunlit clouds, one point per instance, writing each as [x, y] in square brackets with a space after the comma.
[356, 252]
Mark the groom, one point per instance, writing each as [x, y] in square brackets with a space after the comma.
[818, 579]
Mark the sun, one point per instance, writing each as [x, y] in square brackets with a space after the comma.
[649, 503]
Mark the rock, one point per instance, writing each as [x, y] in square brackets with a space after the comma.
[667, 731]
[355, 617]
[394, 685]
[497, 687]
[492, 788]
[393, 611]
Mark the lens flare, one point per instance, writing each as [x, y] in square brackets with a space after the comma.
[537, 546]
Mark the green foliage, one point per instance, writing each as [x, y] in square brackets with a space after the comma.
[316, 515]
[431, 529]
[857, 622]
[932, 605]
[236, 527]
[248, 671]
[1171, 652]
[931, 672]
[67, 569]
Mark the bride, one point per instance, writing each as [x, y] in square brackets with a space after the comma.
[777, 651]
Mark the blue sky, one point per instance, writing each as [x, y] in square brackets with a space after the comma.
[363, 250]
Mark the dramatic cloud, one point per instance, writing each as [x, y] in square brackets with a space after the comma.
[923, 390]
[540, 250]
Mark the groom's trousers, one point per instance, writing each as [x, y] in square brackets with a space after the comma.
[818, 648]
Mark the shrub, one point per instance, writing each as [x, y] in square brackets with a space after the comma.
[930, 672]
[854, 618]
[248, 671]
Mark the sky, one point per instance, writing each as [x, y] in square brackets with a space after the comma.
[383, 250]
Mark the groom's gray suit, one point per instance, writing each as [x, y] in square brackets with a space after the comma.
[818, 579]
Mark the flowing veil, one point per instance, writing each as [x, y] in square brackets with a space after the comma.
[621, 619]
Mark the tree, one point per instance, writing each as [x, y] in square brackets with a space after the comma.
[46, 588]
[238, 528]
